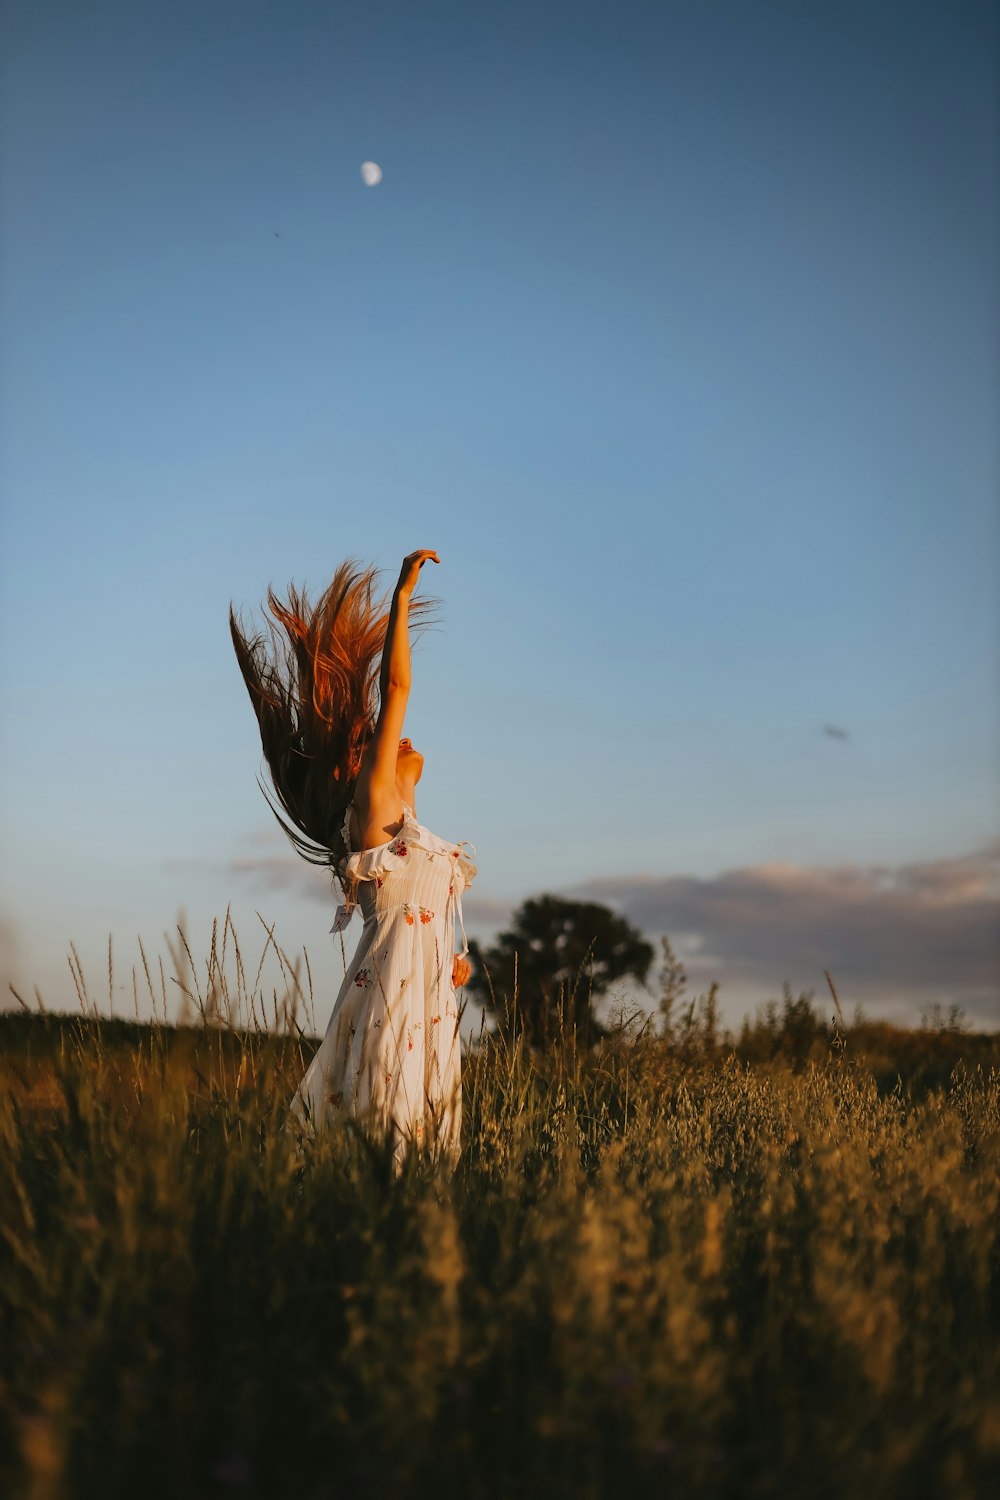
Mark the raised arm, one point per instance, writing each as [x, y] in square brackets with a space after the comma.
[377, 778]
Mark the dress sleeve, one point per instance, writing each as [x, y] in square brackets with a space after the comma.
[370, 864]
[468, 869]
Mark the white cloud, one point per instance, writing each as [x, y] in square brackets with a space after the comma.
[929, 929]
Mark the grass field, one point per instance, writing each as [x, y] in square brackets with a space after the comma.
[745, 1270]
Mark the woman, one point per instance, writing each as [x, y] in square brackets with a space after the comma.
[390, 1057]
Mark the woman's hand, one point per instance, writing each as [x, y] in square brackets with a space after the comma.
[461, 971]
[410, 570]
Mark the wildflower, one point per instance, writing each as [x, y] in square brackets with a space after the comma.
[362, 977]
[425, 914]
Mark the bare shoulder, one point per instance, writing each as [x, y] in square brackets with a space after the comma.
[377, 815]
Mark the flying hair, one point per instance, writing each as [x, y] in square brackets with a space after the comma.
[315, 695]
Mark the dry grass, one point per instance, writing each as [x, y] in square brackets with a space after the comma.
[651, 1273]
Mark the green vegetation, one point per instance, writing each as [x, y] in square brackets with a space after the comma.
[666, 1264]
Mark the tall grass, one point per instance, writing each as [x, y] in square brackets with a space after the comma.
[651, 1272]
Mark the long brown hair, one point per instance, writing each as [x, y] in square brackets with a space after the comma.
[317, 701]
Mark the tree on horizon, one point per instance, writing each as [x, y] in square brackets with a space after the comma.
[564, 954]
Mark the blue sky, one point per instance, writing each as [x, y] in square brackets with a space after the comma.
[673, 328]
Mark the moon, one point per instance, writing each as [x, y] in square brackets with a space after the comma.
[371, 173]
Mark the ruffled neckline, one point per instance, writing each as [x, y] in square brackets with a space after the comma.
[392, 853]
[380, 859]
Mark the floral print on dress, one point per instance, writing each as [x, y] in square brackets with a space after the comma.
[387, 1050]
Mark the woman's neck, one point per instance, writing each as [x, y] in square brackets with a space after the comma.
[407, 791]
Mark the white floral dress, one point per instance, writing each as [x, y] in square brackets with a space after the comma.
[391, 1052]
